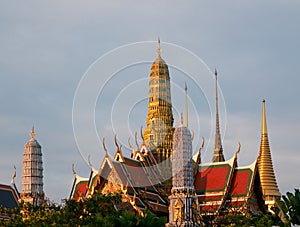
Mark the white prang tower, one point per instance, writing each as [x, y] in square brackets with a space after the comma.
[182, 193]
[32, 172]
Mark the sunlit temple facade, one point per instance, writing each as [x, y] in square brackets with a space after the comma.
[195, 189]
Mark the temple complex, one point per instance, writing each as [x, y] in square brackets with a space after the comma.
[195, 188]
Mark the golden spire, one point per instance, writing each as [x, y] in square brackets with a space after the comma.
[218, 151]
[158, 134]
[186, 106]
[32, 132]
[265, 166]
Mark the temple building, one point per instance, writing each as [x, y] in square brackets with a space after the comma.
[32, 172]
[195, 189]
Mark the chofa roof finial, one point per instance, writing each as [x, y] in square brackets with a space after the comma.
[136, 141]
[142, 136]
[117, 145]
[104, 147]
[14, 175]
[73, 170]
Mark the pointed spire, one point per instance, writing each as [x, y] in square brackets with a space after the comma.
[264, 119]
[265, 165]
[186, 106]
[32, 132]
[158, 48]
[181, 119]
[218, 151]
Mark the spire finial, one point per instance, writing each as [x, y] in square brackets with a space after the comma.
[32, 132]
[218, 153]
[181, 119]
[217, 98]
[158, 48]
[186, 106]
[264, 119]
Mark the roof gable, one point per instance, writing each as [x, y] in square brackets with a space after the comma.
[242, 180]
[214, 177]
[8, 197]
[80, 187]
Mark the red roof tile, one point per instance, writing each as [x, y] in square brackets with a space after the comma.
[241, 182]
[80, 189]
[212, 178]
[210, 197]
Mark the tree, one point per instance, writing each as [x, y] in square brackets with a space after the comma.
[290, 207]
[99, 210]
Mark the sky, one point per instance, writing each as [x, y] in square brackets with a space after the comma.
[49, 48]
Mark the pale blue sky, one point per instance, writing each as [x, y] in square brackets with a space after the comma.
[47, 46]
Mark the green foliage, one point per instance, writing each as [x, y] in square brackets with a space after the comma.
[290, 207]
[99, 210]
[260, 220]
[109, 211]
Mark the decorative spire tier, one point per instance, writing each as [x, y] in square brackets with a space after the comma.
[265, 165]
[218, 151]
[182, 193]
[182, 169]
[159, 130]
[32, 172]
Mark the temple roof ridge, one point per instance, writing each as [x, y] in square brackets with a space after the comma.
[91, 165]
[229, 161]
[77, 177]
[250, 166]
